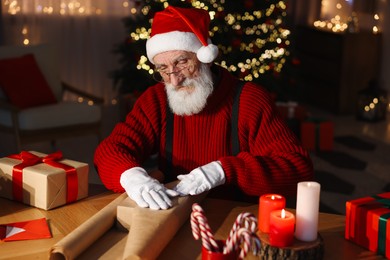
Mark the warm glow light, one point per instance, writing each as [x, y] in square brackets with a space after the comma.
[66, 7]
[335, 24]
[283, 214]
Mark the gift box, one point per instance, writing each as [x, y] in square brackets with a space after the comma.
[293, 114]
[317, 134]
[367, 223]
[291, 110]
[43, 181]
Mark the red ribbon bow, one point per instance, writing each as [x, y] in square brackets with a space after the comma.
[29, 159]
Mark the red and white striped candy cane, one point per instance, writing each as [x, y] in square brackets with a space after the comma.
[250, 221]
[195, 227]
[249, 241]
[201, 228]
[247, 220]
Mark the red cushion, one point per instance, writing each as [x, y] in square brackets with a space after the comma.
[23, 82]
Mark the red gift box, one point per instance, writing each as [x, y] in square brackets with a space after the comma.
[317, 134]
[291, 110]
[367, 223]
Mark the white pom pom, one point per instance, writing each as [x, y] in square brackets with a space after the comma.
[207, 54]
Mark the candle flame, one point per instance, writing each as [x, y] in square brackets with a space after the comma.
[274, 196]
[283, 214]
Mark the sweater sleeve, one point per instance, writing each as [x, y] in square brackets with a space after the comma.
[271, 159]
[130, 143]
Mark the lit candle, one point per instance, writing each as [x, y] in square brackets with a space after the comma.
[281, 228]
[268, 203]
[308, 201]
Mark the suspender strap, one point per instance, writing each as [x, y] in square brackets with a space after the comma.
[169, 143]
[234, 123]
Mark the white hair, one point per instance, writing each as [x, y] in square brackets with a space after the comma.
[190, 103]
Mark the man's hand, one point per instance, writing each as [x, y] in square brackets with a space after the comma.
[146, 191]
[201, 179]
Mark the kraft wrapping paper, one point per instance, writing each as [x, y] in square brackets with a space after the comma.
[87, 233]
[149, 231]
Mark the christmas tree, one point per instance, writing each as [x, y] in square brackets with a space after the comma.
[252, 37]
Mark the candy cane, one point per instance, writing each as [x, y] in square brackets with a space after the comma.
[201, 228]
[249, 221]
[247, 239]
[195, 227]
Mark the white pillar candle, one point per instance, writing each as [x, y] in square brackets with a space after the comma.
[308, 201]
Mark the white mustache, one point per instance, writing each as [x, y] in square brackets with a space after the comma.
[183, 102]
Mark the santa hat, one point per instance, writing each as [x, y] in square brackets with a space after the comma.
[184, 29]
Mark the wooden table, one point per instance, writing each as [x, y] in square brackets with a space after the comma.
[220, 213]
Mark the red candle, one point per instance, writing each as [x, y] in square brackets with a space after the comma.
[281, 230]
[268, 203]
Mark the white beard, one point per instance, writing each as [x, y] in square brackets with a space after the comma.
[188, 103]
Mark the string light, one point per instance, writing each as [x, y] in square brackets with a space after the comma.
[258, 65]
[336, 24]
[375, 28]
[66, 7]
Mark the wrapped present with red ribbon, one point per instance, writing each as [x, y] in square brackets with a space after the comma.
[367, 223]
[317, 134]
[41, 180]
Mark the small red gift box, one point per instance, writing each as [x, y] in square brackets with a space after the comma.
[291, 110]
[367, 223]
[317, 134]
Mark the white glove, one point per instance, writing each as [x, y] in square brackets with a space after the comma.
[201, 179]
[146, 191]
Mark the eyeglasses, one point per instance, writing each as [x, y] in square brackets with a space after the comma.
[162, 73]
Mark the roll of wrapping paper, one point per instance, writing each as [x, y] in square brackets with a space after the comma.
[87, 233]
[151, 230]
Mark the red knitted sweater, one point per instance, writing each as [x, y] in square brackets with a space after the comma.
[271, 159]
